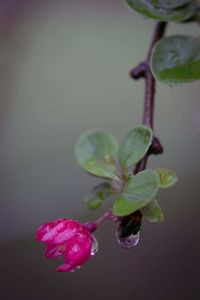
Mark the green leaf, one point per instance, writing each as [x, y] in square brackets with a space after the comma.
[95, 151]
[153, 212]
[146, 9]
[98, 194]
[135, 145]
[167, 177]
[176, 59]
[139, 191]
[169, 4]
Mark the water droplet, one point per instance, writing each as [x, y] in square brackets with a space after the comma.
[75, 269]
[95, 246]
[130, 241]
[72, 271]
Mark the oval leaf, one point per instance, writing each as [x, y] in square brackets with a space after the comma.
[134, 146]
[153, 212]
[145, 8]
[169, 4]
[176, 59]
[95, 151]
[167, 177]
[98, 194]
[139, 191]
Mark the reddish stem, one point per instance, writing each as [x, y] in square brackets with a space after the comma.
[148, 114]
[106, 216]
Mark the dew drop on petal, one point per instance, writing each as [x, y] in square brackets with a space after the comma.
[128, 242]
[95, 246]
[72, 271]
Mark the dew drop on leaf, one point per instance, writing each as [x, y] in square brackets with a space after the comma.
[128, 242]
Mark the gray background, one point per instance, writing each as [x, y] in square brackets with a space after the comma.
[64, 69]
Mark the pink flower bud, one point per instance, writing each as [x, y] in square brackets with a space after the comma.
[67, 238]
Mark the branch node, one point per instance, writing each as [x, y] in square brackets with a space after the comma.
[139, 71]
[156, 147]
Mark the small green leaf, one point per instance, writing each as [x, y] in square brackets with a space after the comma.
[167, 177]
[153, 212]
[98, 194]
[134, 146]
[139, 191]
[169, 4]
[145, 8]
[176, 59]
[96, 151]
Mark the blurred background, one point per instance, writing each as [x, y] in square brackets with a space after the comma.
[64, 69]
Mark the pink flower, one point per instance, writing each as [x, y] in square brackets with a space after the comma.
[67, 238]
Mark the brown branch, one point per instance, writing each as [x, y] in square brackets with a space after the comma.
[143, 71]
[148, 116]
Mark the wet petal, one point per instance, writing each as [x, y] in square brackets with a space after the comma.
[65, 268]
[55, 251]
[46, 228]
[70, 228]
[78, 250]
[58, 232]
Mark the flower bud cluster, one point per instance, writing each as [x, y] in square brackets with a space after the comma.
[69, 239]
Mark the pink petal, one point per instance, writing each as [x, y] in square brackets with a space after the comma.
[65, 268]
[78, 249]
[58, 232]
[45, 228]
[70, 228]
[55, 251]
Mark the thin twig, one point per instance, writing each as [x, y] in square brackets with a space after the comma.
[105, 217]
